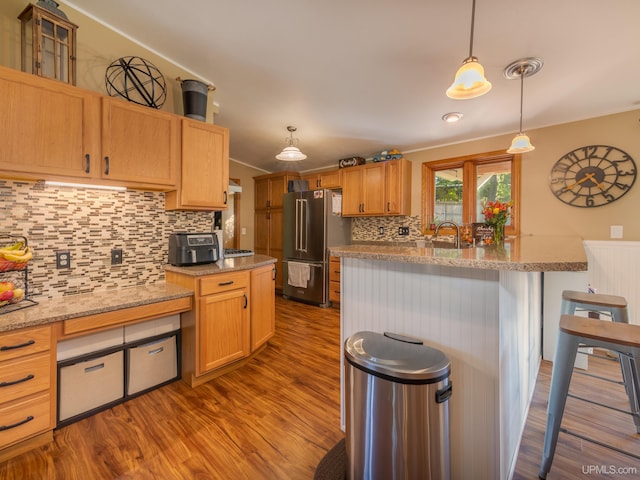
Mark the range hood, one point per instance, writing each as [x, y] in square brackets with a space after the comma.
[234, 187]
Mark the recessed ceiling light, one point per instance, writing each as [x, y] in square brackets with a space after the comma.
[452, 117]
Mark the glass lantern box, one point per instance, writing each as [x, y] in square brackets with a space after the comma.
[48, 42]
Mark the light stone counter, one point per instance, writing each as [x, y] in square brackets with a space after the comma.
[75, 306]
[227, 265]
[523, 254]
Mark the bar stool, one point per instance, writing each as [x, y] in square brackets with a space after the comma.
[574, 331]
[613, 306]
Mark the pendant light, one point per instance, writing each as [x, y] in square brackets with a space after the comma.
[470, 81]
[291, 153]
[520, 69]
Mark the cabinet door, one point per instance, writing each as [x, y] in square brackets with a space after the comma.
[313, 180]
[352, 193]
[223, 333]
[262, 194]
[48, 128]
[330, 179]
[398, 187]
[278, 188]
[373, 187]
[139, 144]
[263, 318]
[205, 165]
[275, 242]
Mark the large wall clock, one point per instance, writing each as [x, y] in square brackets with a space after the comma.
[592, 176]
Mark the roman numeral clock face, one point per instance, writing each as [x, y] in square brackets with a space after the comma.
[592, 176]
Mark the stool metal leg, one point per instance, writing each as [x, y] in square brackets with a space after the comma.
[566, 351]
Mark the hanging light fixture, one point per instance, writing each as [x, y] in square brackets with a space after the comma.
[520, 69]
[470, 81]
[291, 153]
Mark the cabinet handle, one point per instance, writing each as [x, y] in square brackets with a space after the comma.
[388, 206]
[22, 422]
[246, 300]
[106, 165]
[225, 197]
[20, 345]
[224, 284]
[15, 382]
[87, 163]
[268, 215]
[275, 270]
[268, 203]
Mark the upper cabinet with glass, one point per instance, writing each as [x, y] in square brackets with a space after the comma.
[48, 42]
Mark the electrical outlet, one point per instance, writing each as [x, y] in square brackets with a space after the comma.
[381, 230]
[116, 256]
[403, 230]
[616, 231]
[63, 259]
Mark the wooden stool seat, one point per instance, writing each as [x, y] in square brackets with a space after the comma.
[575, 331]
[594, 299]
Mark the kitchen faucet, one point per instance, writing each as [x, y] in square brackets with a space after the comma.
[454, 224]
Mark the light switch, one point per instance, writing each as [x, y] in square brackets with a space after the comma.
[243, 230]
[616, 231]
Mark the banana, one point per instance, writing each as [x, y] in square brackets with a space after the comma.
[15, 246]
[23, 256]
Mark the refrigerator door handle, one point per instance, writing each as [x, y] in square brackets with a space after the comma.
[303, 225]
[297, 225]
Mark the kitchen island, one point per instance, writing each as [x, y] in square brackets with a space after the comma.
[482, 307]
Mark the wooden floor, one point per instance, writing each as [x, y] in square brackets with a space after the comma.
[273, 419]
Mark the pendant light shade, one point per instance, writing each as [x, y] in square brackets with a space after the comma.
[291, 153]
[519, 70]
[470, 81]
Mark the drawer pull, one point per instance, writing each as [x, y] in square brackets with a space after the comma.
[94, 368]
[156, 351]
[22, 422]
[20, 345]
[224, 284]
[15, 382]
[246, 301]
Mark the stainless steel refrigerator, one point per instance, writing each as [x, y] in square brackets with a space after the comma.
[312, 223]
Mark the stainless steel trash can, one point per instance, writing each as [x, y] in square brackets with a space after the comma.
[397, 410]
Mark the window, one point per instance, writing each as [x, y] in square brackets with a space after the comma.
[454, 189]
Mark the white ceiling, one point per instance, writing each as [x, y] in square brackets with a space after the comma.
[360, 76]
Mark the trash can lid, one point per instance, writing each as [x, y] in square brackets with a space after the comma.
[396, 357]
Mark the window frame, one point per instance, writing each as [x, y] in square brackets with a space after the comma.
[468, 164]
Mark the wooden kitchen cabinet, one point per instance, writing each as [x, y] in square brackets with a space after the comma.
[204, 181]
[263, 318]
[234, 316]
[55, 131]
[331, 179]
[27, 386]
[49, 129]
[377, 189]
[398, 187]
[334, 280]
[139, 144]
[269, 192]
[362, 190]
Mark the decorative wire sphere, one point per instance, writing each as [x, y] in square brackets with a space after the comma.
[137, 80]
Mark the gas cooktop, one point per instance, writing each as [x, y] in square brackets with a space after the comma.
[235, 252]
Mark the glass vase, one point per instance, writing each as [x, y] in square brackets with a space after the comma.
[498, 234]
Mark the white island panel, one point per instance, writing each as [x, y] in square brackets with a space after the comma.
[486, 321]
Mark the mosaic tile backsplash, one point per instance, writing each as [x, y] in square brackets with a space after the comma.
[385, 229]
[89, 223]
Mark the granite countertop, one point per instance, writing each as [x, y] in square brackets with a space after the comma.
[526, 254]
[227, 265]
[74, 306]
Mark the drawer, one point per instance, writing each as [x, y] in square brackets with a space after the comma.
[22, 419]
[224, 282]
[23, 377]
[90, 384]
[334, 272]
[334, 292]
[24, 342]
[152, 364]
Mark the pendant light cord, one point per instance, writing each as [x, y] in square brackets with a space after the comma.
[522, 70]
[473, 21]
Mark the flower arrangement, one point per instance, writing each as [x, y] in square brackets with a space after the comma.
[496, 213]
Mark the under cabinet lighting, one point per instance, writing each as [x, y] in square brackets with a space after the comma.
[84, 185]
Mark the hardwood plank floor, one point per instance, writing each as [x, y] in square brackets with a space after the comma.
[277, 417]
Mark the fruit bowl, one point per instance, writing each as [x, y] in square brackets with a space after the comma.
[8, 265]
